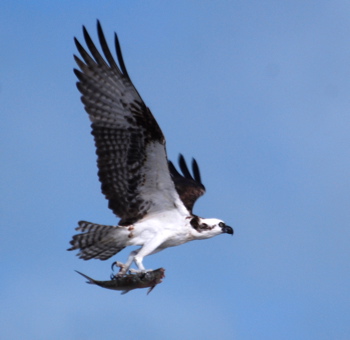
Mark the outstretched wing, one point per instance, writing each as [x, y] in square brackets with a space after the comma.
[189, 187]
[132, 162]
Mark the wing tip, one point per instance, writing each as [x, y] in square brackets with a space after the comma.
[196, 175]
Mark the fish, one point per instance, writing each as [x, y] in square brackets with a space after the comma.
[128, 282]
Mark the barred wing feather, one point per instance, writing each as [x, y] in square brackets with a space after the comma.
[130, 146]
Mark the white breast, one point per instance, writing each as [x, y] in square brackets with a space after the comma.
[172, 228]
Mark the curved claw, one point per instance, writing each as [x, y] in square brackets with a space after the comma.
[117, 264]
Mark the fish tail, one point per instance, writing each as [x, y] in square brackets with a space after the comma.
[91, 281]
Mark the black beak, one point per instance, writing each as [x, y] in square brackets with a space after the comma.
[227, 230]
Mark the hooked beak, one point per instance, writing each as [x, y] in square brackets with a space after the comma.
[227, 230]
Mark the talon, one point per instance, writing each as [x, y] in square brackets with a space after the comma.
[117, 264]
[112, 266]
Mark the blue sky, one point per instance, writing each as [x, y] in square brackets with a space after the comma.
[259, 93]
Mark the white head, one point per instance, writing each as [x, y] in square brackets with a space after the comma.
[208, 227]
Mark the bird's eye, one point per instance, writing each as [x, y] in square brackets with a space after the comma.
[221, 224]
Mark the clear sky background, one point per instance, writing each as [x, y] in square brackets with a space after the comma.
[259, 93]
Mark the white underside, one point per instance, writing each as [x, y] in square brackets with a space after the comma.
[155, 233]
[159, 231]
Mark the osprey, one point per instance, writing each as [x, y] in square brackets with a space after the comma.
[153, 199]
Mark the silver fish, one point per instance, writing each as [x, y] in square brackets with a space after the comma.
[129, 282]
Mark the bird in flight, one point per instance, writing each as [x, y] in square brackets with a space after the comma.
[153, 200]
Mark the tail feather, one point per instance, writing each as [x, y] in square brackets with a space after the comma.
[97, 241]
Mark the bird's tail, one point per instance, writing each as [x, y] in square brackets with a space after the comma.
[98, 241]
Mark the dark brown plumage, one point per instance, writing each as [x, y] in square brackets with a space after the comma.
[118, 141]
[189, 187]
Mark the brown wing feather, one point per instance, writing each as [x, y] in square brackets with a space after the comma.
[189, 187]
[122, 127]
